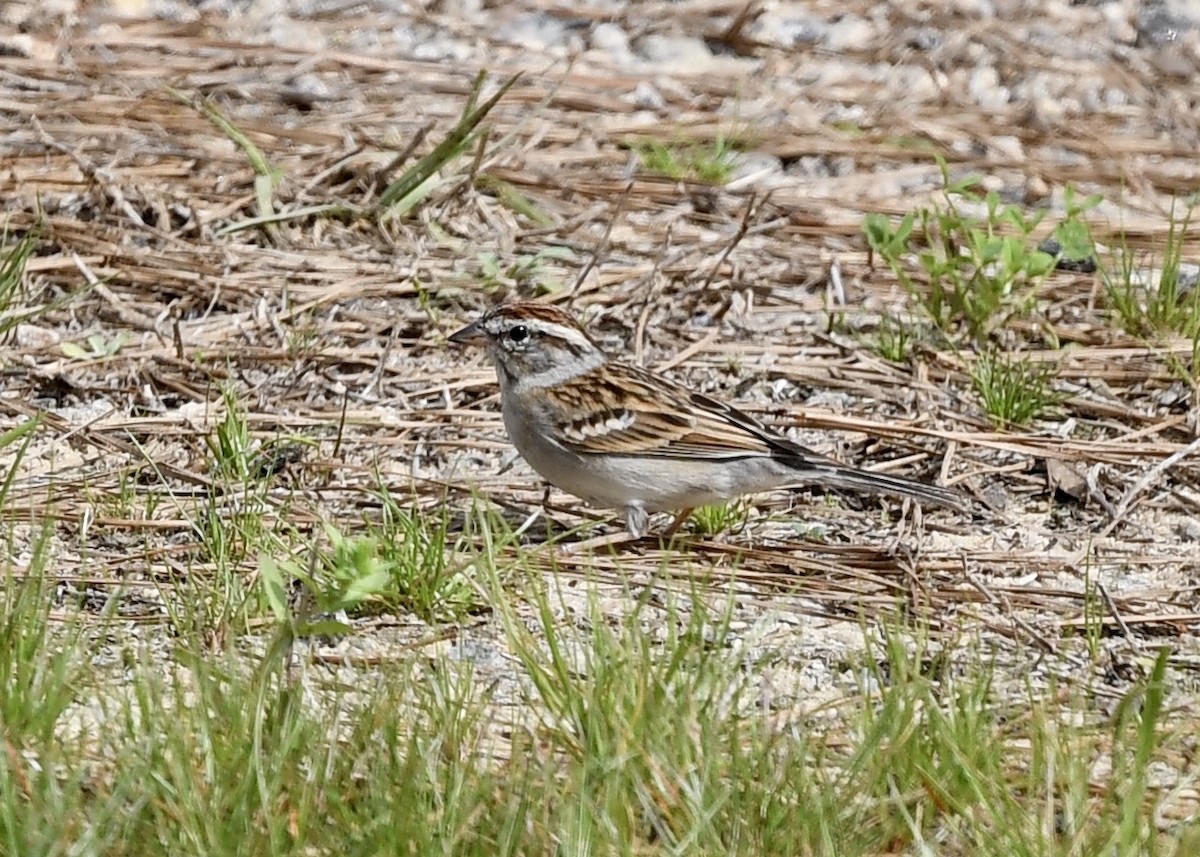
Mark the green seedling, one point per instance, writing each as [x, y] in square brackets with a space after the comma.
[720, 518]
[712, 163]
[1014, 392]
[978, 265]
[12, 278]
[1158, 304]
[267, 179]
[98, 347]
[528, 273]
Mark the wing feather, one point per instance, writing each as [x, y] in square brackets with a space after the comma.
[625, 409]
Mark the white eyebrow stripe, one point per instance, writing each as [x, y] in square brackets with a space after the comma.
[559, 331]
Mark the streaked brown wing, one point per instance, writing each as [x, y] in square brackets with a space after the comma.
[620, 408]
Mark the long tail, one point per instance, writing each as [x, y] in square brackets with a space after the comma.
[852, 479]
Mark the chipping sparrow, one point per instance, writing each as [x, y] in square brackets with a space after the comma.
[620, 436]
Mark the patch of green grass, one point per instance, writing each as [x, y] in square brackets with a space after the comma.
[302, 338]
[19, 301]
[529, 273]
[235, 521]
[1094, 612]
[240, 761]
[963, 772]
[1157, 303]
[232, 450]
[47, 783]
[894, 341]
[720, 518]
[408, 561]
[13, 293]
[407, 191]
[432, 567]
[977, 264]
[661, 749]
[22, 433]
[234, 518]
[644, 712]
[651, 730]
[712, 162]
[1014, 391]
[37, 668]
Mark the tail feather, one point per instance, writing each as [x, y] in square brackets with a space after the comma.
[852, 479]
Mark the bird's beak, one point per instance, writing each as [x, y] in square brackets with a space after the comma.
[472, 334]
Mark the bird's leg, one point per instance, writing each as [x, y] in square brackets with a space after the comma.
[635, 527]
[546, 509]
[636, 520]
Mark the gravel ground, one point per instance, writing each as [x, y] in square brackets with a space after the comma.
[833, 96]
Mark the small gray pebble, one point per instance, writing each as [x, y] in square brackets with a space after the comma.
[535, 30]
[923, 39]
[674, 50]
[1159, 25]
[790, 29]
[1190, 530]
[611, 38]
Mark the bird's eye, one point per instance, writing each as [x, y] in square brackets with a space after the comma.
[519, 333]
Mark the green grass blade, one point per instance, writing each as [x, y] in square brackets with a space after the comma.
[25, 433]
[267, 177]
[332, 209]
[451, 147]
